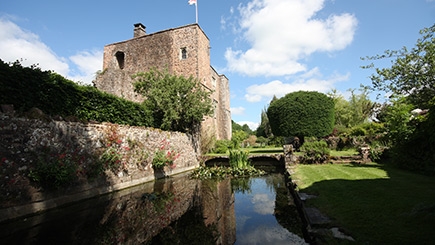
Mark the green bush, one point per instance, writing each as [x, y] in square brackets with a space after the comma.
[239, 159]
[276, 141]
[222, 146]
[357, 131]
[315, 152]
[377, 150]
[55, 171]
[301, 114]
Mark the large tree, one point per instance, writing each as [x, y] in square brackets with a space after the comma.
[264, 130]
[412, 72]
[356, 110]
[410, 81]
[178, 103]
[302, 114]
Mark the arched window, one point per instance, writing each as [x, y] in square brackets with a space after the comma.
[183, 53]
[120, 57]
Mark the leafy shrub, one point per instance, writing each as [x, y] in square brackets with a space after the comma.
[111, 159]
[239, 159]
[164, 156]
[53, 171]
[358, 131]
[377, 150]
[315, 152]
[222, 146]
[208, 140]
[277, 141]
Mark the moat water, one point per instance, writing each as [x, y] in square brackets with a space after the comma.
[176, 210]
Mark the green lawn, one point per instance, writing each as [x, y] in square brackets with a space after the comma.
[376, 204]
[266, 150]
[349, 152]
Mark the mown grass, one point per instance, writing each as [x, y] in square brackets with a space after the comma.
[348, 152]
[265, 150]
[376, 204]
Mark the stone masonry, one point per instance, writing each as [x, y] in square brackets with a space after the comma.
[22, 139]
[182, 51]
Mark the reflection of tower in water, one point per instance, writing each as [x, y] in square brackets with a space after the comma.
[218, 209]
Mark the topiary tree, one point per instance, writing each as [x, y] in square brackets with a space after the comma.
[302, 114]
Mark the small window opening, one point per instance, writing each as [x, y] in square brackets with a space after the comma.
[215, 105]
[120, 57]
[183, 53]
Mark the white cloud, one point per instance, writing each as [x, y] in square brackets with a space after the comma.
[263, 234]
[283, 32]
[19, 44]
[251, 125]
[88, 63]
[263, 204]
[237, 110]
[306, 82]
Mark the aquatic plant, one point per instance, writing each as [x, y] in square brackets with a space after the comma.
[240, 166]
[239, 159]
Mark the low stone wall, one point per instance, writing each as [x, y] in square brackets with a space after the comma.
[21, 141]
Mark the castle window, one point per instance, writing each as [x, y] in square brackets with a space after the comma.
[120, 57]
[213, 82]
[215, 105]
[183, 53]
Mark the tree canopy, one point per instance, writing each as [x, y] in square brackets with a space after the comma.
[302, 113]
[412, 72]
[264, 130]
[178, 103]
[357, 110]
[410, 82]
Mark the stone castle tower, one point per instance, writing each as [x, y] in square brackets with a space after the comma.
[182, 51]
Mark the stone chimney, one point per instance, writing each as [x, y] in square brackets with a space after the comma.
[139, 30]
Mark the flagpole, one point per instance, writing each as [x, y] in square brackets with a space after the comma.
[196, 10]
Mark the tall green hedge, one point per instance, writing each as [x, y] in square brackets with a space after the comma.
[302, 114]
[28, 87]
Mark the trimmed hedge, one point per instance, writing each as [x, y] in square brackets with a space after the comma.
[302, 113]
[28, 87]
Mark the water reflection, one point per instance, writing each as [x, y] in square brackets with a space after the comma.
[175, 210]
[258, 209]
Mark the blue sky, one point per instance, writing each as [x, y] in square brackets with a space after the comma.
[264, 47]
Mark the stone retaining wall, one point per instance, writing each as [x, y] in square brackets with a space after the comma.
[21, 141]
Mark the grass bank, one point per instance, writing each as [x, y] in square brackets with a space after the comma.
[376, 204]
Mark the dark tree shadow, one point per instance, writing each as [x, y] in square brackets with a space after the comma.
[397, 208]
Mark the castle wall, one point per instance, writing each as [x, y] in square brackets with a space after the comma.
[182, 51]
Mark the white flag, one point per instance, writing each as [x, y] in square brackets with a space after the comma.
[192, 2]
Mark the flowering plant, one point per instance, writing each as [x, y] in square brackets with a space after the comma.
[164, 156]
